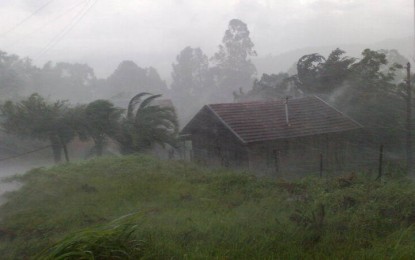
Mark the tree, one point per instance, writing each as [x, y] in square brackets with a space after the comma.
[192, 82]
[146, 124]
[38, 119]
[128, 78]
[190, 73]
[101, 120]
[370, 96]
[67, 81]
[234, 69]
[17, 76]
[318, 75]
[274, 86]
[367, 89]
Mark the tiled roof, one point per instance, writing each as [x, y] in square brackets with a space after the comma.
[263, 121]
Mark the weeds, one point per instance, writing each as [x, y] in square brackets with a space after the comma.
[68, 212]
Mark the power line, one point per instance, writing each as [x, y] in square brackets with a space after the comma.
[22, 154]
[67, 29]
[27, 18]
[8, 149]
[59, 35]
[60, 15]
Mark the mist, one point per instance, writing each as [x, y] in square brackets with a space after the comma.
[78, 52]
[293, 115]
[84, 51]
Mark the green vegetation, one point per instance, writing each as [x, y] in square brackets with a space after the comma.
[39, 119]
[146, 124]
[135, 206]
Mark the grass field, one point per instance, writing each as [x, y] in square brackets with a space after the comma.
[138, 207]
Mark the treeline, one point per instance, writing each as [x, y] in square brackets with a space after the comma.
[369, 88]
[136, 128]
[20, 78]
[141, 124]
[197, 79]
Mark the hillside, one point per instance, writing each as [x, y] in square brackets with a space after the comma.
[132, 207]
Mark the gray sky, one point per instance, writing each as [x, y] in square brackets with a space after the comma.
[152, 32]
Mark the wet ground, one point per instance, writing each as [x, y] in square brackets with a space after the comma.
[11, 168]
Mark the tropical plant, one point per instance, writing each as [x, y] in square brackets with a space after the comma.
[146, 124]
[100, 121]
[114, 241]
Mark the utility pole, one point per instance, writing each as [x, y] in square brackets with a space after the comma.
[409, 122]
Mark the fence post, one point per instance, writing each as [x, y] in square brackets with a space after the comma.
[409, 167]
[276, 161]
[321, 165]
[380, 162]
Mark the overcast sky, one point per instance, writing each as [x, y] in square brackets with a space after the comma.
[152, 32]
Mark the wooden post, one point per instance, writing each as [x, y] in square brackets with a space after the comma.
[380, 162]
[409, 122]
[321, 165]
[276, 161]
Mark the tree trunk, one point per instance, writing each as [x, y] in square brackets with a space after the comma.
[65, 149]
[99, 148]
[99, 145]
[56, 148]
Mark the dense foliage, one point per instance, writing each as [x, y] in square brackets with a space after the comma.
[39, 119]
[146, 124]
[371, 90]
[143, 125]
[101, 121]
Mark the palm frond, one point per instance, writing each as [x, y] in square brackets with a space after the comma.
[133, 102]
[147, 101]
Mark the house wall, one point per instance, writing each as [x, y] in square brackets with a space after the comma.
[297, 157]
[214, 145]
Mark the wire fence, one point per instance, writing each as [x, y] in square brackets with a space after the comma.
[364, 154]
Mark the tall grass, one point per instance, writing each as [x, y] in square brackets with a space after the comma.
[112, 241]
[187, 212]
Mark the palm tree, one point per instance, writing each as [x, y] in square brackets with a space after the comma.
[101, 120]
[146, 124]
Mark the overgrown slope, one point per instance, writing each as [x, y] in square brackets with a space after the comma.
[132, 207]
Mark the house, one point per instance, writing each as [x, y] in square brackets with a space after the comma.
[292, 136]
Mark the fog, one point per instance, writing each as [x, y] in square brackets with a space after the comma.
[103, 33]
[201, 111]
[14, 168]
[81, 51]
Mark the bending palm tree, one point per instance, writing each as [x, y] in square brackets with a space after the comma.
[146, 124]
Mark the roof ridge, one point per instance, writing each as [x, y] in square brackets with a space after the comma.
[281, 100]
[226, 124]
[265, 120]
[338, 111]
[246, 102]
